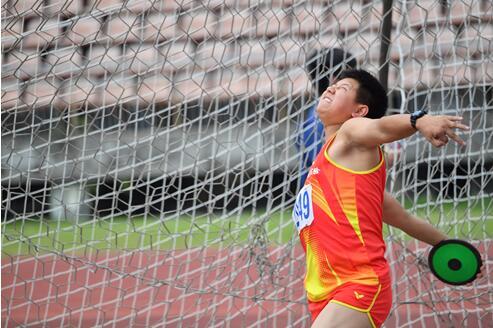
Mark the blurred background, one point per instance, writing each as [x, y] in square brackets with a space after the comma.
[164, 133]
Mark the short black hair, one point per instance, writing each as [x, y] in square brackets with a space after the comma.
[327, 62]
[370, 92]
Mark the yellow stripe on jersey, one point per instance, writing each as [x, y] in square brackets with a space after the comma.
[346, 197]
[338, 280]
[316, 290]
[320, 200]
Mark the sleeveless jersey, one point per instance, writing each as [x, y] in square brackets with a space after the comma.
[338, 215]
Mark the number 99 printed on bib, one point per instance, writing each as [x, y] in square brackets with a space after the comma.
[303, 208]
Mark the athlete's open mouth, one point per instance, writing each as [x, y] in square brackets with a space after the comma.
[327, 99]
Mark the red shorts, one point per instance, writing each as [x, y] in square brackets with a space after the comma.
[375, 301]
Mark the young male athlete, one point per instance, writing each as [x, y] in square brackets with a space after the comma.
[338, 213]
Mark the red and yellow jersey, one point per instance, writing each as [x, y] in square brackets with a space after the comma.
[338, 214]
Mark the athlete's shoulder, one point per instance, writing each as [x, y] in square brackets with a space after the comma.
[355, 122]
[349, 131]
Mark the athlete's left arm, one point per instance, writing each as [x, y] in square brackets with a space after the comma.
[369, 133]
[395, 215]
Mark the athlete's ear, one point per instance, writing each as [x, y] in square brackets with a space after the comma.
[360, 111]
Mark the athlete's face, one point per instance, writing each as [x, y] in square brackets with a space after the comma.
[338, 103]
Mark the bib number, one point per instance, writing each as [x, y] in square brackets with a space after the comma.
[303, 208]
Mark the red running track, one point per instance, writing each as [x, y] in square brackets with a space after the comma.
[208, 287]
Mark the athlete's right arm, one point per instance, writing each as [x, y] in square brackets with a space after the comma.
[369, 133]
[395, 215]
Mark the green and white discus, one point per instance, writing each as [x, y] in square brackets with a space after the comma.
[454, 261]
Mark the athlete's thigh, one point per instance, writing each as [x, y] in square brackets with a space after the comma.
[339, 316]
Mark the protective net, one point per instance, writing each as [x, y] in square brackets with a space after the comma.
[149, 168]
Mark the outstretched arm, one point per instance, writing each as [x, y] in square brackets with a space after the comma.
[395, 215]
[369, 133]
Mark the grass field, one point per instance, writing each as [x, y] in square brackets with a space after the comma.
[23, 237]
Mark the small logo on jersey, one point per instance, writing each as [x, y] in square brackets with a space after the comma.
[358, 295]
[314, 171]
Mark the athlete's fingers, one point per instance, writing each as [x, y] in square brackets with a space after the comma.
[454, 137]
[433, 141]
[439, 139]
[462, 127]
[439, 142]
[454, 118]
[457, 125]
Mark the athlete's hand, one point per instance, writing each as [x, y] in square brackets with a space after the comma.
[439, 129]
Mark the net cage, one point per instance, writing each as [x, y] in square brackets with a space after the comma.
[149, 166]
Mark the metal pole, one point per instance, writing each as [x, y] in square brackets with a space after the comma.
[384, 49]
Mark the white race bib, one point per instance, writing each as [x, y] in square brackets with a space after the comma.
[303, 208]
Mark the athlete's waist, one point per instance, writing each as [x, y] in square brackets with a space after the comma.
[352, 256]
[345, 244]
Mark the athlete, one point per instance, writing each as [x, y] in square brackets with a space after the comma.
[338, 213]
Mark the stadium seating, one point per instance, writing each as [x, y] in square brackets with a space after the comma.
[160, 27]
[21, 65]
[164, 41]
[75, 93]
[66, 62]
[42, 93]
[64, 8]
[100, 60]
[125, 29]
[10, 93]
[234, 24]
[40, 33]
[154, 89]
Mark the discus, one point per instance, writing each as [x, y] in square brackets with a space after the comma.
[454, 261]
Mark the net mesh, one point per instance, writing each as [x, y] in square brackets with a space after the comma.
[148, 166]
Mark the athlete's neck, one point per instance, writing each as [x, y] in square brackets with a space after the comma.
[329, 130]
